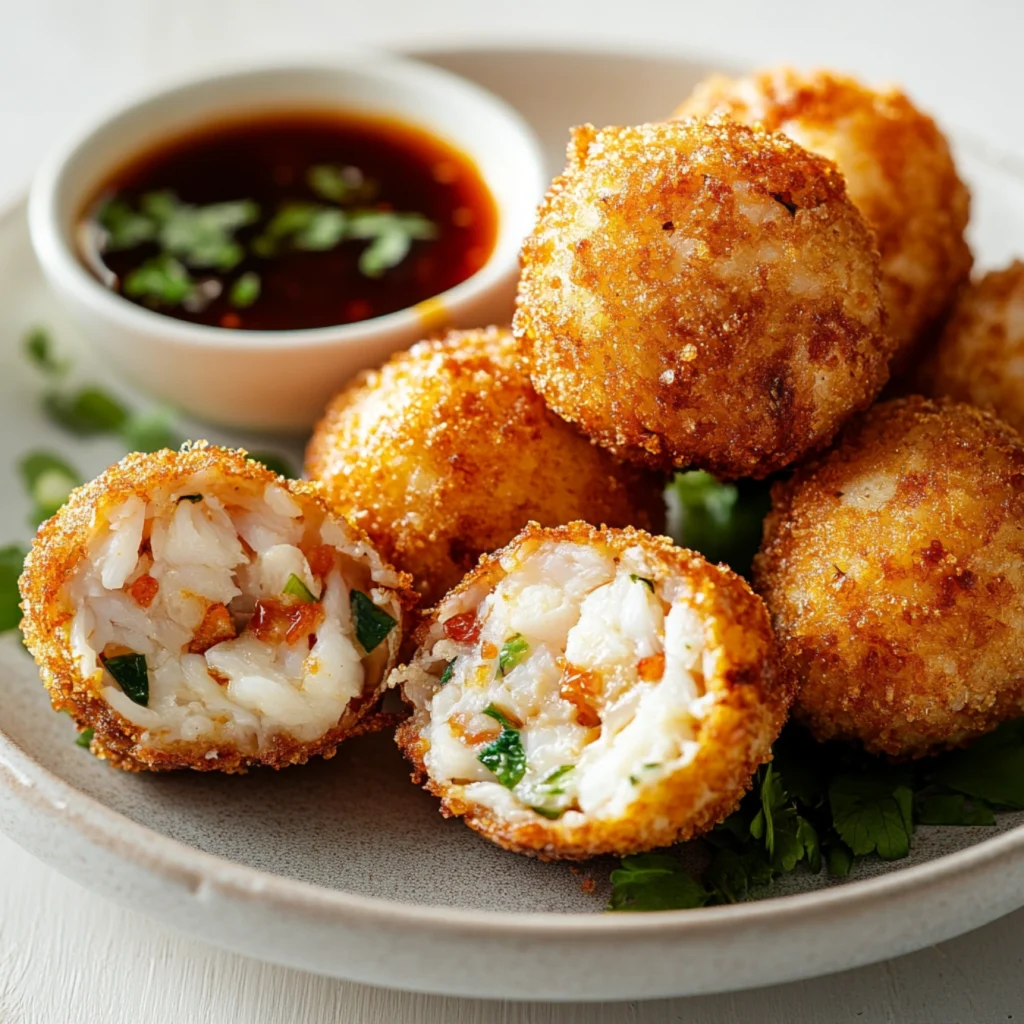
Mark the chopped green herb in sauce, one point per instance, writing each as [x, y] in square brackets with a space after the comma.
[372, 624]
[131, 673]
[246, 290]
[296, 588]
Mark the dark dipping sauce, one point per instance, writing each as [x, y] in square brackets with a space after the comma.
[307, 195]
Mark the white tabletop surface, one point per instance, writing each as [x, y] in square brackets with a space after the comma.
[67, 955]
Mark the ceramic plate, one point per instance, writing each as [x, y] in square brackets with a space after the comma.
[343, 867]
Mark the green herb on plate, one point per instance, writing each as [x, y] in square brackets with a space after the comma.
[49, 480]
[275, 463]
[150, 431]
[85, 412]
[12, 561]
[720, 520]
[38, 347]
[655, 881]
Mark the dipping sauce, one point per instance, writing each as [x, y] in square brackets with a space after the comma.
[290, 221]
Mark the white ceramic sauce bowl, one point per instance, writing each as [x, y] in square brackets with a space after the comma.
[281, 380]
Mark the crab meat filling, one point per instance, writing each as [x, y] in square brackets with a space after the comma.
[221, 612]
[574, 684]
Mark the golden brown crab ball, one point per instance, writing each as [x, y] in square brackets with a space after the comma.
[898, 169]
[701, 295]
[196, 610]
[591, 691]
[893, 568]
[980, 357]
[447, 452]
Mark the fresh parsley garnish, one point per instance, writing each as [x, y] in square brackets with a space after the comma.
[12, 561]
[275, 463]
[296, 588]
[655, 881]
[150, 431]
[372, 624]
[512, 653]
[449, 671]
[39, 349]
[720, 520]
[131, 673]
[84, 738]
[85, 412]
[493, 711]
[505, 756]
[829, 805]
[308, 227]
[49, 480]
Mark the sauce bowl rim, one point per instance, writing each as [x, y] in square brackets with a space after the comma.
[53, 241]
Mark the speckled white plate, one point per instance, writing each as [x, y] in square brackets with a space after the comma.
[344, 867]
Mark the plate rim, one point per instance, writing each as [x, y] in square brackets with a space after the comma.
[176, 862]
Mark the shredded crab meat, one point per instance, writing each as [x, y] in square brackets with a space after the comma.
[603, 682]
[183, 579]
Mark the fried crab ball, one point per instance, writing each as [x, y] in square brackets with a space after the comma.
[898, 169]
[447, 452]
[893, 568]
[590, 691]
[980, 357]
[198, 611]
[702, 295]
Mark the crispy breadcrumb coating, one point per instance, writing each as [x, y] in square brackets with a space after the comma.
[899, 173]
[702, 295]
[446, 452]
[742, 697]
[63, 544]
[893, 568]
[980, 357]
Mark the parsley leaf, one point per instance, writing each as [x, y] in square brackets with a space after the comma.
[655, 881]
[992, 769]
[124, 227]
[150, 431]
[49, 481]
[873, 812]
[201, 236]
[275, 463]
[505, 757]
[12, 561]
[449, 671]
[952, 809]
[39, 348]
[493, 711]
[734, 874]
[391, 236]
[88, 411]
[720, 520]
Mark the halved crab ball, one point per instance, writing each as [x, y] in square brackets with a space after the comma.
[195, 610]
[589, 691]
[703, 295]
[899, 173]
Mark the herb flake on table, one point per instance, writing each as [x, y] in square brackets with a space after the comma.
[49, 480]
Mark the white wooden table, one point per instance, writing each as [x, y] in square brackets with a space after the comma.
[66, 955]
